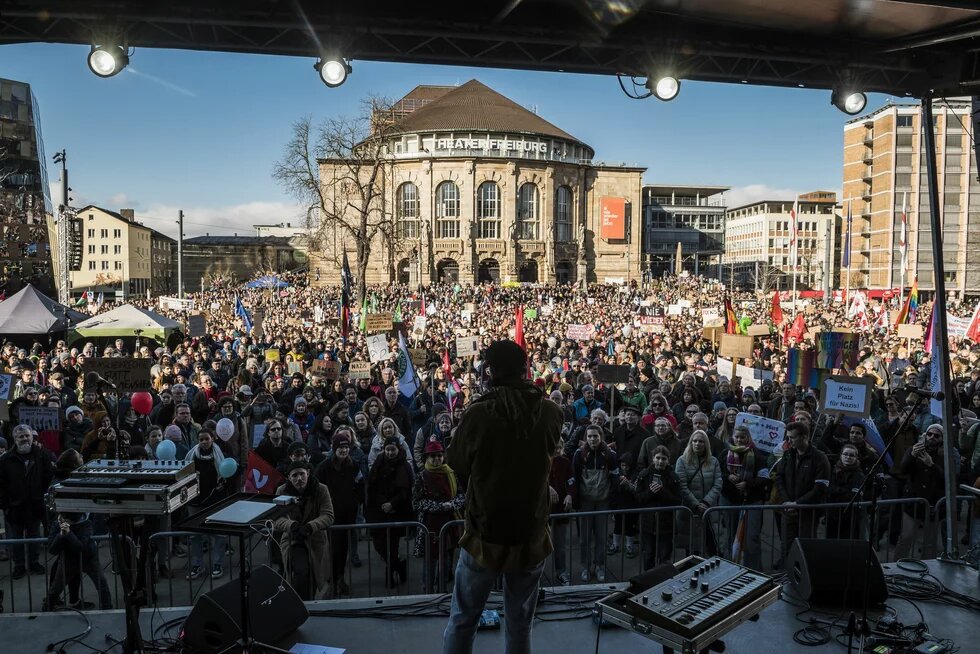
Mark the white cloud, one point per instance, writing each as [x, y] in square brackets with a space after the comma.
[120, 201]
[741, 195]
[227, 220]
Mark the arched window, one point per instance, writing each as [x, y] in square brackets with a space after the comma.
[563, 214]
[447, 210]
[407, 210]
[488, 210]
[527, 212]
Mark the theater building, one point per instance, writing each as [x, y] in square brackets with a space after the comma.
[477, 189]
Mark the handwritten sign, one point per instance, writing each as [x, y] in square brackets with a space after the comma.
[294, 366]
[848, 396]
[768, 434]
[419, 355]
[378, 322]
[377, 347]
[467, 346]
[329, 369]
[197, 325]
[674, 309]
[272, 355]
[127, 375]
[41, 418]
[736, 346]
[175, 303]
[359, 370]
[612, 374]
[579, 332]
[418, 328]
[710, 317]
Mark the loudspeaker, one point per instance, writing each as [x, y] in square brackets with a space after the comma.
[275, 611]
[832, 572]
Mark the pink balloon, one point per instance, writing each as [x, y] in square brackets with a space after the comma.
[142, 403]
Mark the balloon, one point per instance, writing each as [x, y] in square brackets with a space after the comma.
[225, 429]
[142, 403]
[166, 450]
[228, 468]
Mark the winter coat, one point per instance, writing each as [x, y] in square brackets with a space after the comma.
[390, 481]
[74, 434]
[925, 481]
[24, 479]
[501, 452]
[562, 479]
[596, 473]
[756, 478]
[315, 509]
[670, 495]
[803, 478]
[428, 493]
[699, 484]
[378, 446]
[346, 485]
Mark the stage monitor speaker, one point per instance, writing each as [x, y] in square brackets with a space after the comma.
[274, 608]
[832, 572]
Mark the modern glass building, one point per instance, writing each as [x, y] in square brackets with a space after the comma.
[25, 197]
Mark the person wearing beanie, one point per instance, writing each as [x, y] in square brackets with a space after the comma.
[302, 417]
[77, 424]
[501, 451]
[296, 453]
[438, 500]
[304, 541]
[176, 436]
[389, 499]
[342, 477]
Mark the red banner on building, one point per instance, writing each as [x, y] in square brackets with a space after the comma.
[612, 213]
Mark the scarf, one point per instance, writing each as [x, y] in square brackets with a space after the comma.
[441, 476]
[741, 461]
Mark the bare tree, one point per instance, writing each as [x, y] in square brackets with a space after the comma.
[338, 170]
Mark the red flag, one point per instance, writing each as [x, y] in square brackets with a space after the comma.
[798, 330]
[446, 365]
[519, 328]
[261, 476]
[776, 312]
[973, 331]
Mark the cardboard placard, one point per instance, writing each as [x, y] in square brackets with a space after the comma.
[757, 330]
[294, 366]
[41, 418]
[329, 369]
[197, 326]
[710, 316]
[911, 331]
[272, 355]
[378, 347]
[579, 332]
[712, 333]
[736, 346]
[530, 314]
[359, 370]
[126, 374]
[768, 434]
[467, 346]
[419, 356]
[6, 385]
[377, 322]
[418, 328]
[611, 374]
[847, 396]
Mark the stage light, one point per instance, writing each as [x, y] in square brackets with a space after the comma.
[850, 102]
[333, 71]
[106, 61]
[667, 88]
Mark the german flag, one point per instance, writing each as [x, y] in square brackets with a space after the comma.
[731, 322]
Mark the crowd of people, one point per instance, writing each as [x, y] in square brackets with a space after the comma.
[373, 449]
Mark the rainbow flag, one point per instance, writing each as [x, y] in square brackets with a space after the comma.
[800, 367]
[911, 306]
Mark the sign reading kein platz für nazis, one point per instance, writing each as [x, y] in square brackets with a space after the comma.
[849, 396]
[126, 375]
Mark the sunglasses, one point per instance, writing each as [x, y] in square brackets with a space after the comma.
[275, 428]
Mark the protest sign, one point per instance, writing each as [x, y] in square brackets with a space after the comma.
[6, 385]
[837, 349]
[466, 315]
[768, 434]
[712, 333]
[196, 325]
[610, 374]
[710, 317]
[955, 326]
[725, 368]
[377, 347]
[915, 331]
[272, 355]
[294, 367]
[579, 332]
[418, 328]
[467, 346]
[757, 330]
[752, 376]
[359, 370]
[736, 346]
[41, 418]
[175, 303]
[674, 309]
[377, 322]
[419, 355]
[126, 374]
[329, 369]
[685, 304]
[849, 396]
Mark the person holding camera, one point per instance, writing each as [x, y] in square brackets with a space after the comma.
[101, 442]
[924, 467]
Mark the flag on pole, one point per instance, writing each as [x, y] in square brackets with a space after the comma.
[906, 314]
[973, 330]
[519, 328]
[101, 299]
[261, 476]
[242, 313]
[408, 383]
[882, 321]
[731, 322]
[776, 312]
[346, 287]
[846, 257]
[794, 226]
[798, 330]
[362, 322]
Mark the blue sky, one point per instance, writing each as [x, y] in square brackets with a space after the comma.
[200, 131]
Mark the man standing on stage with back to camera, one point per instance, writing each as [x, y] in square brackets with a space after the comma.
[502, 449]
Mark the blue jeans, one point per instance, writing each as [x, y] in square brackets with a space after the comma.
[470, 592]
[216, 548]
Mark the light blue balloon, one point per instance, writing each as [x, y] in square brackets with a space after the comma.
[166, 450]
[227, 468]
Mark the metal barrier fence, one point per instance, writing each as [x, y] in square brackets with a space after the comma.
[640, 544]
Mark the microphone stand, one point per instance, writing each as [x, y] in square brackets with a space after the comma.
[876, 480]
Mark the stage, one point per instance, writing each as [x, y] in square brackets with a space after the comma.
[334, 623]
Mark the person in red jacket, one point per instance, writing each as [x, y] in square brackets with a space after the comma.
[561, 489]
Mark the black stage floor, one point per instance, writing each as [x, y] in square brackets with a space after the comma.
[773, 633]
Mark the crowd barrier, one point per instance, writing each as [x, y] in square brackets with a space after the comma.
[710, 533]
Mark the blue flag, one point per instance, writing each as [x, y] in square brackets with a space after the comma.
[243, 314]
[408, 383]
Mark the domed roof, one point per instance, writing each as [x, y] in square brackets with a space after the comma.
[478, 108]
